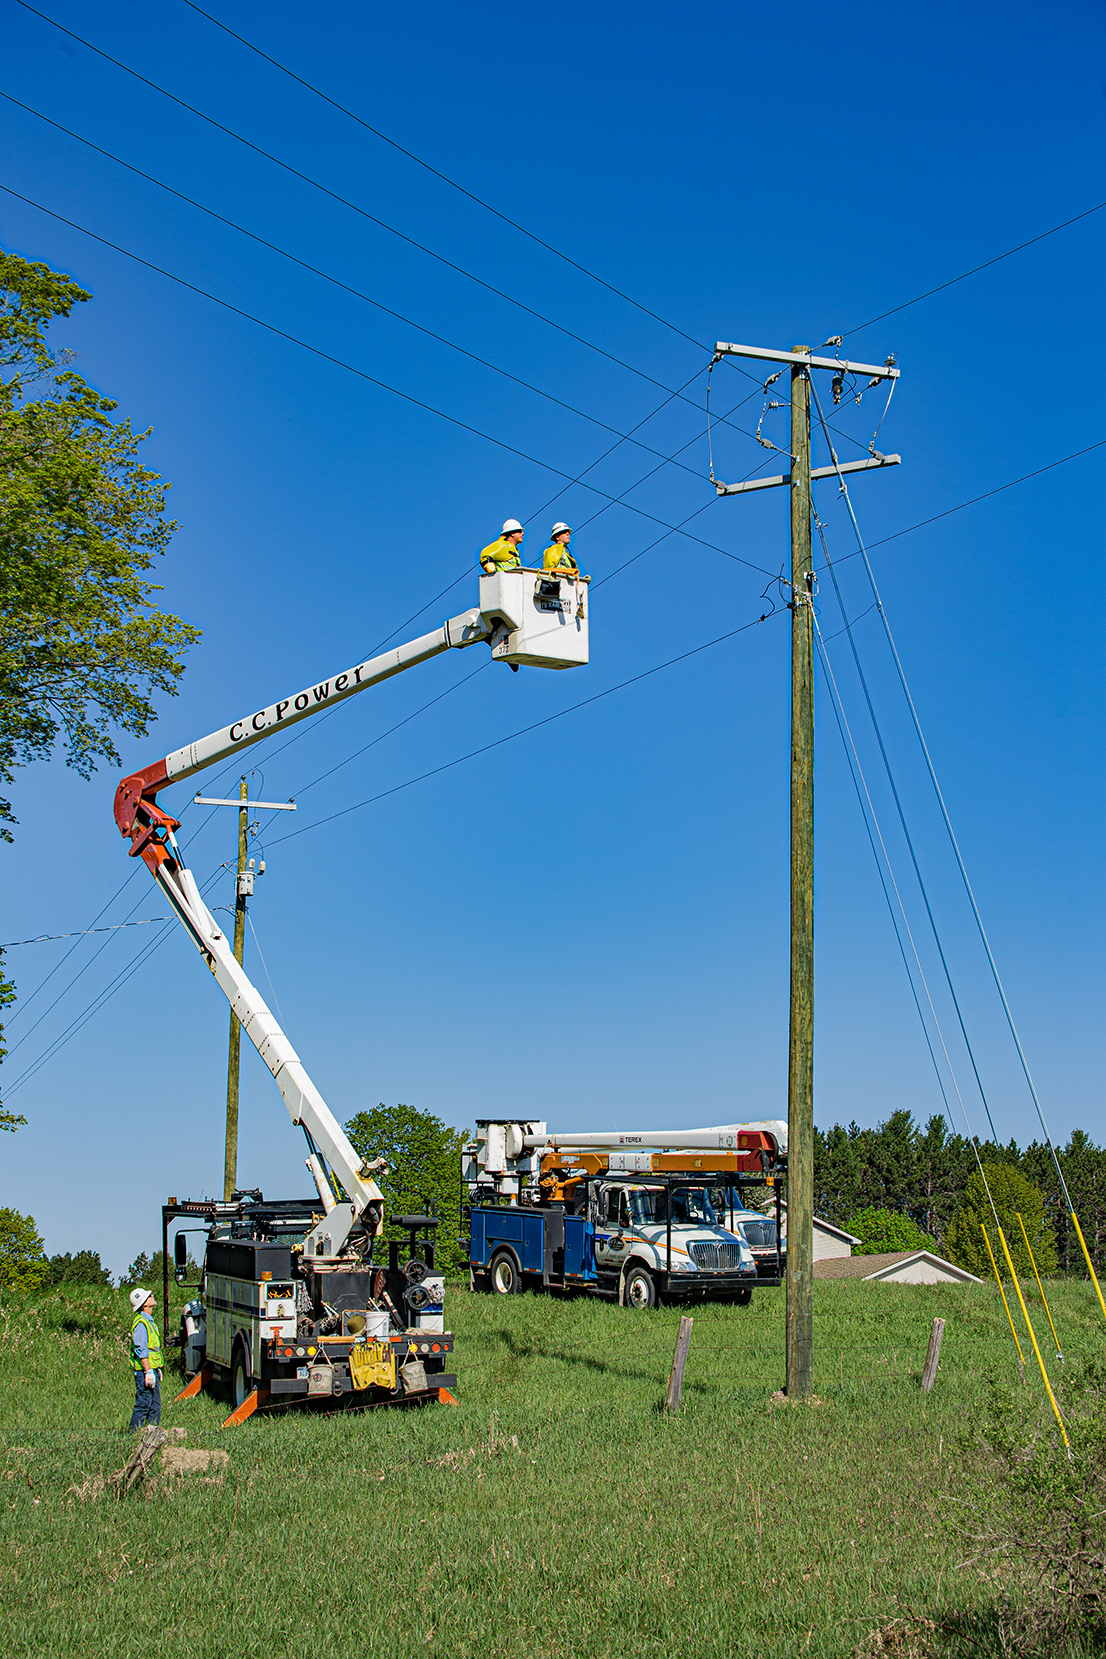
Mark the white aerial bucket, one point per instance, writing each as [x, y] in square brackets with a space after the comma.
[539, 618]
[377, 1325]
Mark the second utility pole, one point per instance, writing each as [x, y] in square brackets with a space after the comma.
[230, 1163]
[800, 1064]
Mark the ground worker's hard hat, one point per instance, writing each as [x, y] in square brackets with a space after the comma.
[558, 529]
[139, 1297]
[511, 524]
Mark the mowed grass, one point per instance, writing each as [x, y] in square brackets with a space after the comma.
[556, 1513]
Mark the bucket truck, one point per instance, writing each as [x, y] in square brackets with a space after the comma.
[292, 1303]
[602, 1212]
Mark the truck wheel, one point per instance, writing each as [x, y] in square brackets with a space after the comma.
[640, 1291]
[505, 1275]
[743, 1297]
[240, 1380]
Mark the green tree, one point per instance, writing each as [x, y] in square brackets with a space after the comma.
[82, 1268]
[1011, 1194]
[11, 1121]
[83, 646]
[149, 1270]
[22, 1263]
[882, 1230]
[424, 1170]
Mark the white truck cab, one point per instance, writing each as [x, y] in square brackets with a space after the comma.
[660, 1232]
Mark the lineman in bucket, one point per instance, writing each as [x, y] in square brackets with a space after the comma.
[146, 1360]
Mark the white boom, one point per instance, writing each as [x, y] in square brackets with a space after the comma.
[528, 617]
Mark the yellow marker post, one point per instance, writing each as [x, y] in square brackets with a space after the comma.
[1033, 1336]
[1002, 1293]
[1040, 1286]
[1089, 1262]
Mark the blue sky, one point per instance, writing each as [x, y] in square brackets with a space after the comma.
[587, 924]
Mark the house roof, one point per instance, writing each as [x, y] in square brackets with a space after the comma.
[888, 1266]
[822, 1226]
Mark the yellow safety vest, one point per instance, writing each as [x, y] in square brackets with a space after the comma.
[153, 1339]
[559, 557]
[502, 553]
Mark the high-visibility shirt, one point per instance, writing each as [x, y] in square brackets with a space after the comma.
[148, 1338]
[559, 557]
[502, 553]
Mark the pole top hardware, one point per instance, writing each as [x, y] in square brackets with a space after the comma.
[883, 371]
[265, 806]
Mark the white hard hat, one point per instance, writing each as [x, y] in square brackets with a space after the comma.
[558, 529]
[511, 524]
[139, 1297]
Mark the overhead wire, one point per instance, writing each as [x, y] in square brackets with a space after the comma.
[438, 174]
[874, 718]
[987, 494]
[115, 984]
[962, 868]
[343, 200]
[975, 270]
[854, 760]
[362, 374]
[347, 288]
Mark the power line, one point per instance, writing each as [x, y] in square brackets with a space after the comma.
[82, 933]
[1074, 456]
[345, 202]
[514, 224]
[523, 731]
[362, 374]
[346, 287]
[114, 985]
[951, 283]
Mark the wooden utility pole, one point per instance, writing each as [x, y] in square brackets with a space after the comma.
[800, 1059]
[230, 1164]
[800, 1065]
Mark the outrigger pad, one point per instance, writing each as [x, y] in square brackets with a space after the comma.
[247, 1408]
[203, 1375]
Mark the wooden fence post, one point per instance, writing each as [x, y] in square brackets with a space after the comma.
[933, 1354]
[679, 1360]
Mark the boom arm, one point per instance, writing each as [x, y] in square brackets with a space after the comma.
[527, 617]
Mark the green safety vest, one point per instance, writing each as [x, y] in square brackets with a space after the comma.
[153, 1338]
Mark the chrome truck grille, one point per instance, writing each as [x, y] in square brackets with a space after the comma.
[713, 1256]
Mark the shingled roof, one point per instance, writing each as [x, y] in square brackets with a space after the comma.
[888, 1267]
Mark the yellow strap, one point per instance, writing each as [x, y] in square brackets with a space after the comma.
[1040, 1286]
[1032, 1336]
[1002, 1293]
[1089, 1262]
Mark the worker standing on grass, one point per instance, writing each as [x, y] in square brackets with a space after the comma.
[559, 557]
[146, 1359]
[503, 554]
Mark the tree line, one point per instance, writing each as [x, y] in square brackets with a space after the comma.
[924, 1175]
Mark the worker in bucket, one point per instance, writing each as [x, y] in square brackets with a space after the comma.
[503, 554]
[146, 1360]
[558, 556]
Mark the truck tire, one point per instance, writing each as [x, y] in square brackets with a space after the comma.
[240, 1380]
[743, 1297]
[506, 1276]
[639, 1291]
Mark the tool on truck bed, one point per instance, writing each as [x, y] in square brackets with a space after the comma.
[276, 1274]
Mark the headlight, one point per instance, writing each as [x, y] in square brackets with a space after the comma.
[680, 1264]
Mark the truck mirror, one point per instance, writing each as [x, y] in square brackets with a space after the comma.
[180, 1253]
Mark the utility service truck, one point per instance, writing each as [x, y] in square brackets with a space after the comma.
[292, 1302]
[599, 1212]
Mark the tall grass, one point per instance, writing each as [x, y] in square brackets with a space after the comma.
[555, 1514]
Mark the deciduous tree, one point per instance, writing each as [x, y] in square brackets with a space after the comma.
[22, 1263]
[424, 1169]
[1011, 1195]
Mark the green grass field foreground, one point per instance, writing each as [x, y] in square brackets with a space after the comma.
[556, 1513]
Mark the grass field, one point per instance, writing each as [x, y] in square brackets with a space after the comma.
[554, 1514]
